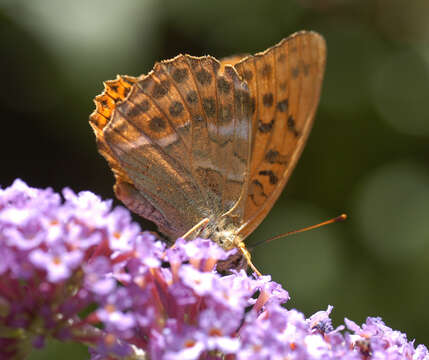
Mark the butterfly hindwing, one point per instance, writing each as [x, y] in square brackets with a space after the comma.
[178, 141]
[216, 101]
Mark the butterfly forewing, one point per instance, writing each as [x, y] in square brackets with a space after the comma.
[285, 81]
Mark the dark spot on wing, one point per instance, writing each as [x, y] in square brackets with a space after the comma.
[248, 75]
[266, 70]
[145, 83]
[272, 178]
[274, 157]
[204, 77]
[265, 127]
[161, 89]
[143, 106]
[282, 58]
[283, 105]
[180, 75]
[157, 124]
[306, 69]
[192, 97]
[133, 112]
[267, 99]
[242, 98]
[256, 193]
[176, 108]
[291, 125]
[295, 72]
[291, 122]
[271, 156]
[223, 85]
[209, 106]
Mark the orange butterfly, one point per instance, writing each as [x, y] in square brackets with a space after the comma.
[204, 147]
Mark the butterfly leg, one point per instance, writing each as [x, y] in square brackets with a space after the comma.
[246, 254]
[198, 226]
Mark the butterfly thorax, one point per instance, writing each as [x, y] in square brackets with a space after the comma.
[223, 231]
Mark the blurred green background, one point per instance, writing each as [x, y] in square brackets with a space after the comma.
[368, 154]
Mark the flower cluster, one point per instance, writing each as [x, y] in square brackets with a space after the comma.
[79, 270]
[45, 246]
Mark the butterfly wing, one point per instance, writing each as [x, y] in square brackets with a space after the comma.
[285, 81]
[177, 141]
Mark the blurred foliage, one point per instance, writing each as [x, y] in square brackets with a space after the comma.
[368, 154]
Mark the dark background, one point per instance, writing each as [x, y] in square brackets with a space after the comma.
[367, 155]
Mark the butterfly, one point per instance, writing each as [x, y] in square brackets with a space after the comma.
[204, 147]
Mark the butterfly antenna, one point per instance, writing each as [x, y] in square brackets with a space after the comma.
[340, 218]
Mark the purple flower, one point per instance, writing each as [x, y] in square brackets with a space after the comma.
[99, 277]
[217, 330]
[76, 269]
[175, 342]
[321, 323]
[58, 264]
[49, 249]
[114, 312]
